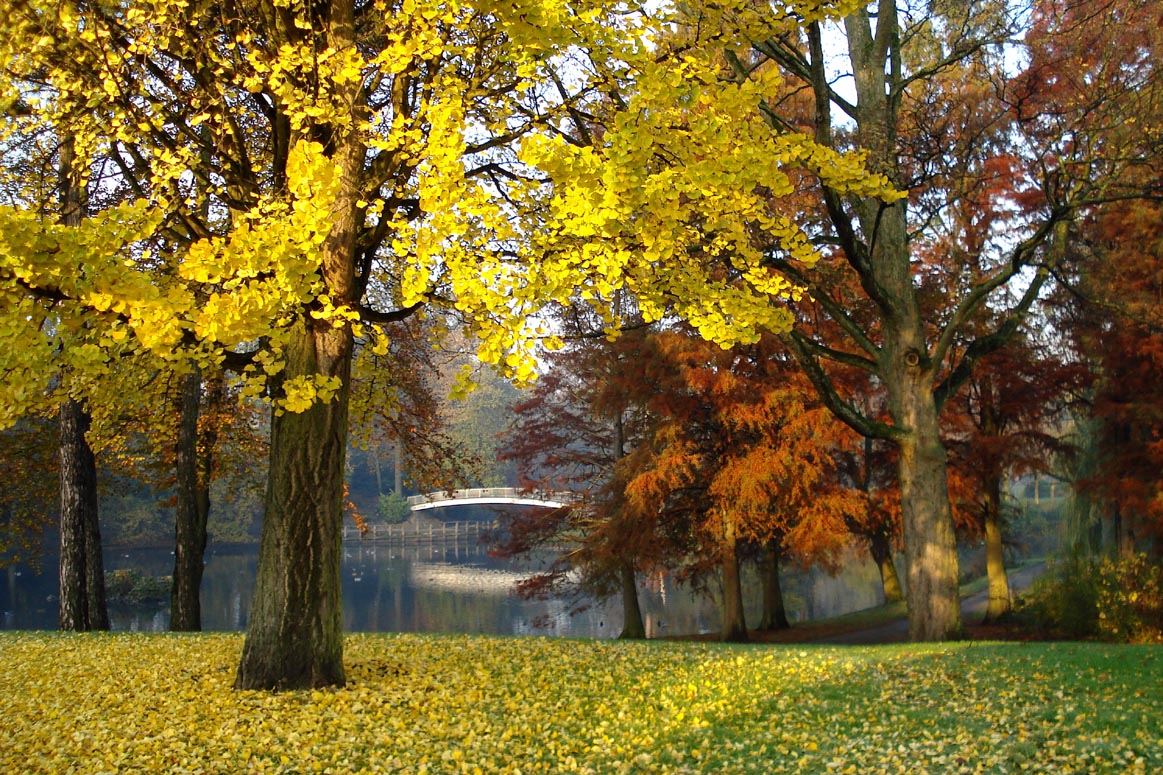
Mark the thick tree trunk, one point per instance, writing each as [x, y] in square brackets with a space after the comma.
[294, 637]
[880, 546]
[193, 467]
[930, 546]
[82, 570]
[774, 612]
[632, 625]
[734, 624]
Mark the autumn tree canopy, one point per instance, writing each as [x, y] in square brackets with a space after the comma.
[294, 179]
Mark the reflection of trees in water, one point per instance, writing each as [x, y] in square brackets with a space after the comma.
[441, 588]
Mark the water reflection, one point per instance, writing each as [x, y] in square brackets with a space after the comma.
[435, 588]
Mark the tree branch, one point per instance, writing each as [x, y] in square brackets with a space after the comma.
[802, 348]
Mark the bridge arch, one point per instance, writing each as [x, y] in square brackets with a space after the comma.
[493, 496]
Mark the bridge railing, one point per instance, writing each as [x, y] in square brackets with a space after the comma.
[420, 533]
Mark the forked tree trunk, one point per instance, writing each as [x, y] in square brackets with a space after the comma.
[194, 460]
[82, 570]
[880, 546]
[774, 612]
[734, 624]
[632, 624]
[294, 638]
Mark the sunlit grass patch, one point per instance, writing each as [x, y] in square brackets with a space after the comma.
[163, 703]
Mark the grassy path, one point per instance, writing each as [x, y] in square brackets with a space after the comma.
[133, 703]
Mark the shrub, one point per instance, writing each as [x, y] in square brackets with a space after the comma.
[1063, 603]
[393, 509]
[1115, 600]
[130, 586]
[1130, 600]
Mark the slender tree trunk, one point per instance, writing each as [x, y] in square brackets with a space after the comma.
[294, 638]
[374, 454]
[999, 583]
[774, 612]
[82, 570]
[633, 628]
[397, 470]
[632, 624]
[880, 546]
[194, 461]
[734, 625]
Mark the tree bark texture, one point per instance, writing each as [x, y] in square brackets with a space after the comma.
[734, 625]
[633, 628]
[82, 570]
[931, 561]
[194, 451]
[294, 637]
[774, 612]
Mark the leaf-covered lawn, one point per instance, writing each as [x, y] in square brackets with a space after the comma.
[163, 703]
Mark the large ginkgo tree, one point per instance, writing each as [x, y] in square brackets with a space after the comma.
[294, 178]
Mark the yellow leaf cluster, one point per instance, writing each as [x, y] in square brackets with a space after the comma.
[673, 200]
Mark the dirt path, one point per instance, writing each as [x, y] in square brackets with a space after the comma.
[972, 610]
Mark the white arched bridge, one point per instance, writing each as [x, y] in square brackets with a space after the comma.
[493, 496]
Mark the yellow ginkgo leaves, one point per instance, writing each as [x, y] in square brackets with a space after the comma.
[160, 704]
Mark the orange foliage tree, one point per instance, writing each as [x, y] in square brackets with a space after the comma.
[738, 452]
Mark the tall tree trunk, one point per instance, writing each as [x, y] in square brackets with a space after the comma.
[903, 363]
[734, 624]
[774, 612]
[632, 625]
[294, 638]
[374, 456]
[194, 461]
[82, 570]
[880, 546]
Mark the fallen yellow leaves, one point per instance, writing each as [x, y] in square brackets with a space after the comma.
[132, 703]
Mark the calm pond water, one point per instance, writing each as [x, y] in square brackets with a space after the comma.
[431, 588]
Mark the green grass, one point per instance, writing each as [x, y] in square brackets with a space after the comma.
[131, 703]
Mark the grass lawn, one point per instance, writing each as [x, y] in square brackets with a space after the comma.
[162, 703]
